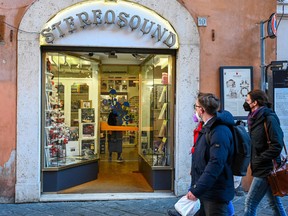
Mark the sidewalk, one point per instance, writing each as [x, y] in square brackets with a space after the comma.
[151, 207]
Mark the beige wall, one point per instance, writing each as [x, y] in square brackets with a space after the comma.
[237, 42]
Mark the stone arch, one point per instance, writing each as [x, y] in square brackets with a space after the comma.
[28, 185]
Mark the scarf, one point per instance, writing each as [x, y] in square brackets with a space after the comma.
[252, 116]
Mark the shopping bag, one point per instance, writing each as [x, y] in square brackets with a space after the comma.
[278, 180]
[187, 207]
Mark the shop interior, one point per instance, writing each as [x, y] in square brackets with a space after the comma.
[83, 90]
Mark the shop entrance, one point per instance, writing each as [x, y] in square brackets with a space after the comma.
[29, 81]
[106, 121]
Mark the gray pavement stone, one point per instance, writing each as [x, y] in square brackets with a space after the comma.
[151, 207]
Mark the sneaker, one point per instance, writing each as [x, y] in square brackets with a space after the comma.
[173, 212]
[120, 160]
[239, 191]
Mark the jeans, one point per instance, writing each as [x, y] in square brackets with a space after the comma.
[231, 210]
[258, 189]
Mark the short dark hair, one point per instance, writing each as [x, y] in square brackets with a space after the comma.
[209, 102]
[261, 97]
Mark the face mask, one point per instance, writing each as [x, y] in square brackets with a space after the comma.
[196, 117]
[246, 107]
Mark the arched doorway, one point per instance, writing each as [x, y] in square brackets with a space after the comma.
[28, 185]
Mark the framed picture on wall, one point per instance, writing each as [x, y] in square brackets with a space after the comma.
[86, 104]
[88, 130]
[124, 87]
[87, 115]
[235, 83]
[87, 147]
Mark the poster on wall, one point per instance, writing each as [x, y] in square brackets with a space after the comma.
[235, 83]
[280, 94]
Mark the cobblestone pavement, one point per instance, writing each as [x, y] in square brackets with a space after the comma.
[151, 207]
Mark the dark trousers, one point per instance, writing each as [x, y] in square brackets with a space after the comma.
[209, 208]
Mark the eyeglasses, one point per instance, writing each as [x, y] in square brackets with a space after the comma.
[195, 106]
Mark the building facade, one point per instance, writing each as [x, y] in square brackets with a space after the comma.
[177, 49]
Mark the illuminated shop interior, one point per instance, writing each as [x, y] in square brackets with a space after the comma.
[79, 91]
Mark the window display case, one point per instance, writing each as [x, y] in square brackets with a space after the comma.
[156, 131]
[69, 147]
[63, 142]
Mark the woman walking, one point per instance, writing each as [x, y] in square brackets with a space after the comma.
[262, 153]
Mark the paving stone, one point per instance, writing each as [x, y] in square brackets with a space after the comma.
[153, 207]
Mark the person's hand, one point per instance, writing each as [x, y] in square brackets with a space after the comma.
[191, 196]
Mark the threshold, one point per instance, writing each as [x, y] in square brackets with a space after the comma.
[104, 196]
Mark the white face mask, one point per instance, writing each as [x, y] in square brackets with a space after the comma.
[196, 117]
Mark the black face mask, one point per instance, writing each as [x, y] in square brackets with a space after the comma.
[246, 107]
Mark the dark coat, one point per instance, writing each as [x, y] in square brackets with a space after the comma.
[115, 137]
[112, 119]
[262, 154]
[212, 177]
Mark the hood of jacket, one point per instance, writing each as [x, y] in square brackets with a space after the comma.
[263, 113]
[222, 117]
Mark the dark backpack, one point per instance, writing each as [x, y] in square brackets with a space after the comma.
[242, 149]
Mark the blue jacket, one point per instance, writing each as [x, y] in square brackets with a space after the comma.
[212, 177]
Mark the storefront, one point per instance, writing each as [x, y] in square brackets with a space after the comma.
[94, 59]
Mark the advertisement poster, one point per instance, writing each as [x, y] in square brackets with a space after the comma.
[280, 89]
[281, 109]
[236, 82]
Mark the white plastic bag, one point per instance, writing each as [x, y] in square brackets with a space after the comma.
[187, 207]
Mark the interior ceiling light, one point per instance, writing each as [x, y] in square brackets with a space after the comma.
[112, 54]
[65, 61]
[138, 56]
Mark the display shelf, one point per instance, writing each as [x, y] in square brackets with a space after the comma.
[79, 92]
[154, 141]
[56, 132]
[70, 175]
[63, 147]
[159, 177]
[156, 133]
[87, 132]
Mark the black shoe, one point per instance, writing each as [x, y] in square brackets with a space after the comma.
[239, 191]
[120, 160]
[173, 212]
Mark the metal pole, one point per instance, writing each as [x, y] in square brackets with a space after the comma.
[262, 55]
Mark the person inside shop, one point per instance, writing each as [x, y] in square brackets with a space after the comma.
[262, 154]
[114, 137]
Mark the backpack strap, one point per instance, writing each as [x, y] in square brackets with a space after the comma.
[208, 132]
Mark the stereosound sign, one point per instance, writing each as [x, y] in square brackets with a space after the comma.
[112, 24]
